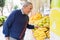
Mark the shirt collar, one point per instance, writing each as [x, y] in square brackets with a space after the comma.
[22, 11]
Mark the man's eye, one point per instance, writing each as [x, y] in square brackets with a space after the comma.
[30, 8]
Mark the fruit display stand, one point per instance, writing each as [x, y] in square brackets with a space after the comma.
[43, 22]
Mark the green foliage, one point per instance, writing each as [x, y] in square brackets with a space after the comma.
[2, 3]
[2, 19]
[55, 3]
[15, 7]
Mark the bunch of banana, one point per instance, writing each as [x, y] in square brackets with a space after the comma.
[45, 21]
[48, 34]
[39, 34]
[35, 17]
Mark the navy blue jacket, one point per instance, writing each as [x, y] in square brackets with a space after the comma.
[16, 24]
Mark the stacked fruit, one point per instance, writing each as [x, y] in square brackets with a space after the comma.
[43, 31]
[44, 25]
[35, 17]
[39, 34]
[45, 21]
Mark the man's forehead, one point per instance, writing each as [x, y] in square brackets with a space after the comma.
[31, 6]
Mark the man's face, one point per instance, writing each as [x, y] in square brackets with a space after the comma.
[28, 9]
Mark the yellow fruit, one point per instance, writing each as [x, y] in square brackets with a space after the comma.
[35, 17]
[48, 34]
[42, 22]
[44, 29]
[39, 33]
[39, 38]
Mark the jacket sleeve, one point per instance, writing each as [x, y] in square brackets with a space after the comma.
[30, 26]
[7, 24]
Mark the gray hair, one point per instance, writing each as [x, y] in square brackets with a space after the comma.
[27, 4]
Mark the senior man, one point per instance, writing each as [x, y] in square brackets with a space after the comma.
[15, 26]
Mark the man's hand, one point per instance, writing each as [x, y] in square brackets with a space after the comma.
[7, 38]
[36, 26]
